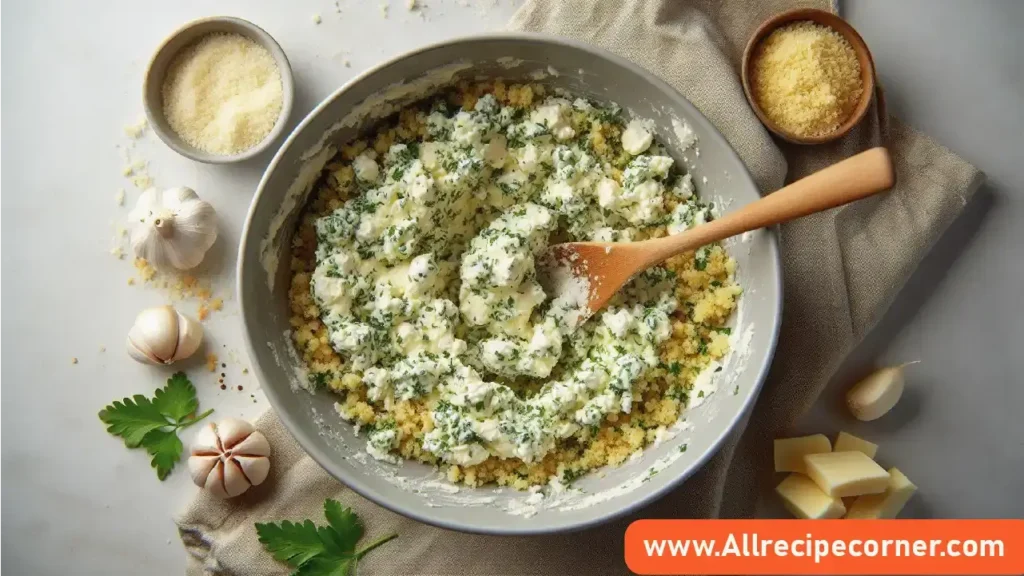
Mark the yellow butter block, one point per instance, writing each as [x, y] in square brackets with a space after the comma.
[790, 452]
[850, 443]
[804, 499]
[887, 504]
[842, 474]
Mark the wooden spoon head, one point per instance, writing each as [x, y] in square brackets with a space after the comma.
[601, 267]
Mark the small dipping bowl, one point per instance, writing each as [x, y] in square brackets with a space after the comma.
[152, 90]
[860, 48]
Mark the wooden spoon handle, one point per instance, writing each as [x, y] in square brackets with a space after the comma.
[860, 176]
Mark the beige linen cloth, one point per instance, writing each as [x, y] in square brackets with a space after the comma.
[842, 269]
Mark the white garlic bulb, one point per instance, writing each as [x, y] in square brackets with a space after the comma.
[173, 229]
[162, 335]
[228, 457]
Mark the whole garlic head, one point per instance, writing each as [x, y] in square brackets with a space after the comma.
[162, 335]
[228, 457]
[173, 229]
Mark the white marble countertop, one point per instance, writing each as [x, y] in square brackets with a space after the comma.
[76, 501]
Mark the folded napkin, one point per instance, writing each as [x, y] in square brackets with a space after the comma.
[842, 269]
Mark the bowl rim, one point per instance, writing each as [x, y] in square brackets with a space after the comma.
[154, 110]
[327, 461]
[849, 33]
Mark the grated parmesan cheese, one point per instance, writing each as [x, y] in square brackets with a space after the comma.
[806, 79]
[223, 94]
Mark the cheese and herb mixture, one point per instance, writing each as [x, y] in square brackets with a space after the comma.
[415, 293]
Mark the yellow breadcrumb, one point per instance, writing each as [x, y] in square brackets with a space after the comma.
[706, 296]
[807, 78]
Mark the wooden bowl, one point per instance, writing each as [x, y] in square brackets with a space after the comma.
[867, 70]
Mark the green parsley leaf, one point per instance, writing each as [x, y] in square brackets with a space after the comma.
[165, 448]
[153, 424]
[132, 418]
[178, 399]
[290, 542]
[319, 550]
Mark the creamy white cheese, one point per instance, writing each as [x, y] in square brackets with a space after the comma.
[636, 139]
[428, 286]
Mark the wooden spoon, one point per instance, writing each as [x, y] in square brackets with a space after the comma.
[604, 267]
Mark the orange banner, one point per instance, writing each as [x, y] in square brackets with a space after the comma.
[825, 547]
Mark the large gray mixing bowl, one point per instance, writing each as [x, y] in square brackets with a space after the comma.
[412, 489]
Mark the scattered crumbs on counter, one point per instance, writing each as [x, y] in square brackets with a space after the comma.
[142, 181]
[347, 63]
[146, 270]
[411, 5]
[74, 360]
[180, 287]
[103, 348]
[119, 197]
[384, 9]
[223, 386]
[337, 6]
[223, 365]
[704, 179]
[239, 387]
[245, 370]
[317, 19]
[136, 130]
[117, 252]
[211, 362]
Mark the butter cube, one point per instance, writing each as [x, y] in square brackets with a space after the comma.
[888, 504]
[850, 443]
[842, 474]
[804, 499]
[790, 452]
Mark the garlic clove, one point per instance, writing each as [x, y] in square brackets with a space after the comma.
[255, 445]
[162, 335]
[190, 337]
[199, 467]
[235, 481]
[207, 442]
[255, 468]
[141, 355]
[231, 431]
[155, 332]
[877, 394]
[215, 481]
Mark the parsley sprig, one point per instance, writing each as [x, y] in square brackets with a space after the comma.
[154, 424]
[319, 550]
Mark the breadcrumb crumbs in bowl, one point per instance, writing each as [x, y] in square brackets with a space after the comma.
[674, 413]
[808, 76]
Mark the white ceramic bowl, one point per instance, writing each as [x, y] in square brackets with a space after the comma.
[263, 279]
[152, 95]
